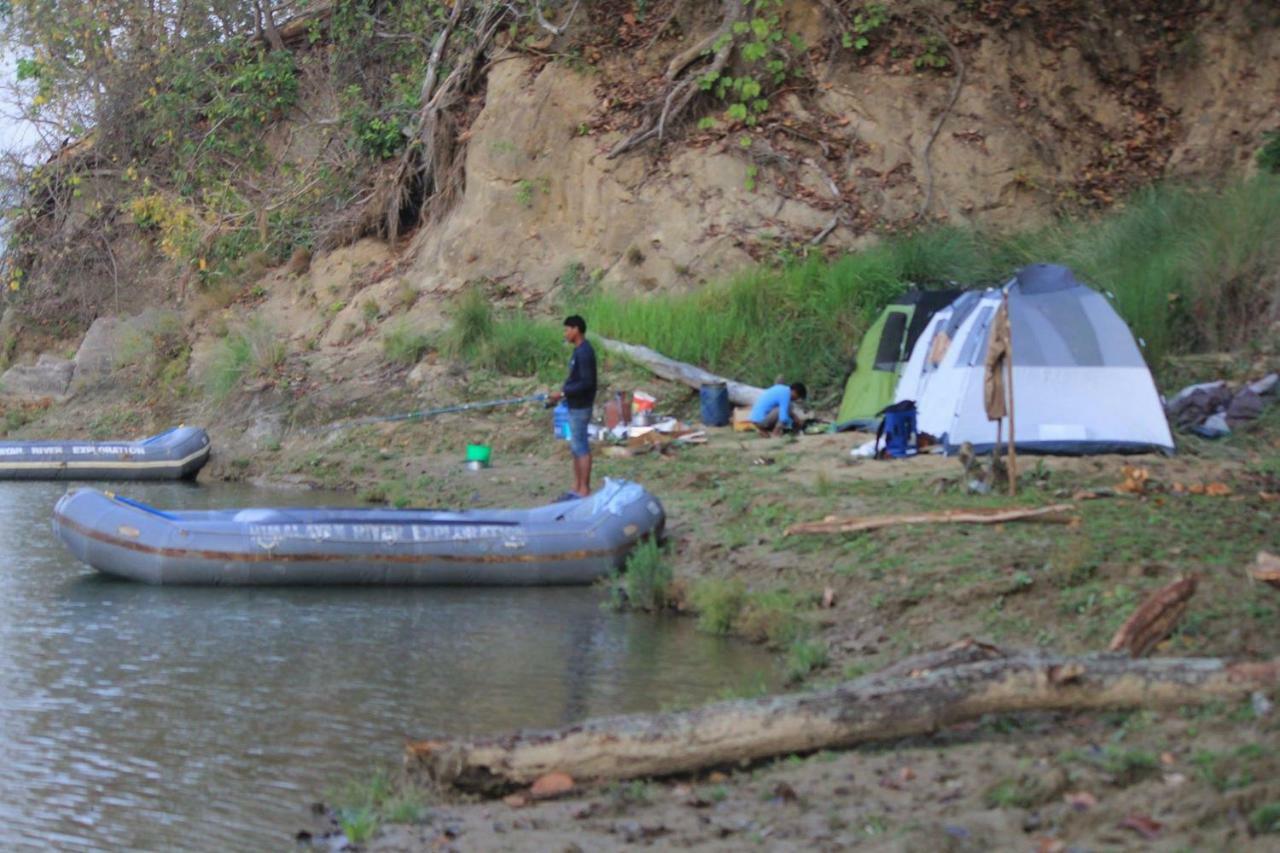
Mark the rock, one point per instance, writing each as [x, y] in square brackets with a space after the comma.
[48, 377]
[96, 358]
[551, 785]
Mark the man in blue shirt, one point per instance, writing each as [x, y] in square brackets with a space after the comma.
[773, 413]
[579, 392]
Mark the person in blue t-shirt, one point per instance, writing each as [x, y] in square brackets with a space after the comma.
[774, 411]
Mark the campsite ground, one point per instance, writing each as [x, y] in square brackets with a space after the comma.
[1193, 778]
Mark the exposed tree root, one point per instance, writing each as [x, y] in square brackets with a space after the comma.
[679, 92]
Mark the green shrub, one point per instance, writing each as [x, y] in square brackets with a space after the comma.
[1265, 819]
[804, 656]
[771, 617]
[251, 350]
[648, 577]
[401, 343]
[1269, 153]
[718, 603]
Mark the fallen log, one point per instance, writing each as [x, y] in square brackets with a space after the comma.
[1154, 619]
[1054, 514]
[740, 394]
[872, 708]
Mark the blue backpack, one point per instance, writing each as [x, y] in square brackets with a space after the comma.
[898, 426]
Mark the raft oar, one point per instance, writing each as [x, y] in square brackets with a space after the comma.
[430, 413]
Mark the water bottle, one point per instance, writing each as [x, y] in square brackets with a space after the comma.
[560, 420]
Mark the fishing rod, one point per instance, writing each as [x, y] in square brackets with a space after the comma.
[442, 410]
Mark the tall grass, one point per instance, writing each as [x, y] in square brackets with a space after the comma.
[253, 349]
[510, 343]
[1190, 270]
[797, 322]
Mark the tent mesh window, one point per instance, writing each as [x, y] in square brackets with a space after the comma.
[889, 351]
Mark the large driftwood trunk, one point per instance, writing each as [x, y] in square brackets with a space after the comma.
[740, 394]
[909, 702]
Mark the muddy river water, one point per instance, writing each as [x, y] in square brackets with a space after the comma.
[172, 718]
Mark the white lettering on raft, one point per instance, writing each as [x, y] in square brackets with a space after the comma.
[75, 450]
[388, 533]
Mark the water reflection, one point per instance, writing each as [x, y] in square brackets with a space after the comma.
[136, 716]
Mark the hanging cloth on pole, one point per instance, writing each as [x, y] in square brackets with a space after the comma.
[999, 354]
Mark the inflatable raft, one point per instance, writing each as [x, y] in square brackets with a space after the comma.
[572, 542]
[174, 455]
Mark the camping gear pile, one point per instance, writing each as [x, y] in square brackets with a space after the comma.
[1067, 358]
[1213, 409]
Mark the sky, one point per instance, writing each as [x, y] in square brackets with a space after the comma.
[13, 132]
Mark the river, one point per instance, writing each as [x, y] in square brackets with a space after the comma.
[211, 718]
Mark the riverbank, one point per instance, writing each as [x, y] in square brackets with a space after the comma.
[857, 603]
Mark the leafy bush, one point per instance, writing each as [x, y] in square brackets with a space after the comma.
[718, 603]
[648, 577]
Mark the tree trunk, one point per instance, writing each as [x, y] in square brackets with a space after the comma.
[740, 394]
[872, 708]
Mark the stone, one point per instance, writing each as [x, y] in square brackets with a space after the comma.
[551, 785]
[48, 377]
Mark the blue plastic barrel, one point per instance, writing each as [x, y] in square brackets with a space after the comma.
[714, 397]
[560, 420]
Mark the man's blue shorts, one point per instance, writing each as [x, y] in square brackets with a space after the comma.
[578, 420]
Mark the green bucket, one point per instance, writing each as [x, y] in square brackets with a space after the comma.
[478, 453]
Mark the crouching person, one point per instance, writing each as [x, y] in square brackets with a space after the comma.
[774, 412]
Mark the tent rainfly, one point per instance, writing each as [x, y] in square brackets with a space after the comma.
[882, 354]
[1080, 383]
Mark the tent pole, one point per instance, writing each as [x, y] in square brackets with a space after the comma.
[1013, 454]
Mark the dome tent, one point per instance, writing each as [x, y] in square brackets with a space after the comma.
[1080, 383]
[882, 355]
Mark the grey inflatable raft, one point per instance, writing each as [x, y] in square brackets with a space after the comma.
[176, 454]
[572, 542]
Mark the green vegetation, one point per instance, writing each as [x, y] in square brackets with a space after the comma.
[363, 806]
[510, 343]
[1265, 819]
[252, 350]
[646, 581]
[1269, 154]
[402, 344]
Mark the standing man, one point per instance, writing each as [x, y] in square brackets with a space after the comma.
[580, 393]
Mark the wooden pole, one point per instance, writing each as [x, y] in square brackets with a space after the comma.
[1013, 453]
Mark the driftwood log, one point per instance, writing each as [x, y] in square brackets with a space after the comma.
[1154, 619]
[877, 707]
[740, 394]
[1055, 514]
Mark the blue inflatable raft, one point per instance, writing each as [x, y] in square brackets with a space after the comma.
[174, 455]
[572, 542]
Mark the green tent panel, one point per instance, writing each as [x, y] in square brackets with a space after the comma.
[884, 352]
[875, 375]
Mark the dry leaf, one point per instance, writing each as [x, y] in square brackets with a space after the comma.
[1080, 800]
[1143, 825]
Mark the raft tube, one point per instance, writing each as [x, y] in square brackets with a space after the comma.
[177, 454]
[572, 542]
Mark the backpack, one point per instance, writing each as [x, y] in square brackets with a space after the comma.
[898, 426]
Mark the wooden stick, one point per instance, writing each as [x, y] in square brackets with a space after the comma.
[868, 709]
[1056, 514]
[1013, 451]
